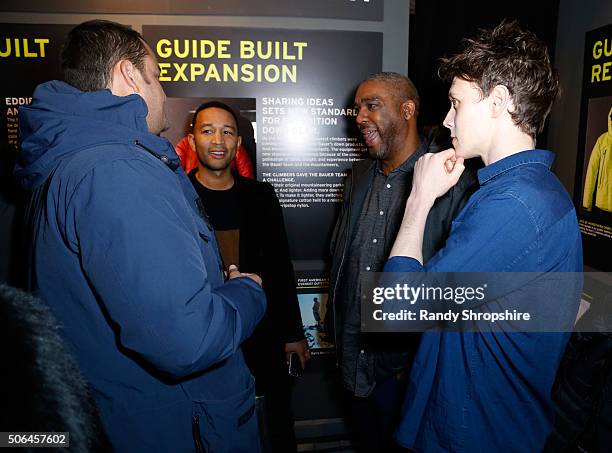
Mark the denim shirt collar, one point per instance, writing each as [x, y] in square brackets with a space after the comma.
[535, 156]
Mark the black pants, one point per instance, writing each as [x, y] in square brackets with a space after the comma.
[373, 420]
[279, 429]
[266, 360]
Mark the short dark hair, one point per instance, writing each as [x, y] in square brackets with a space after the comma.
[92, 49]
[216, 105]
[515, 58]
[403, 88]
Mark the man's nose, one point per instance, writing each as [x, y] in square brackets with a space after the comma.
[448, 120]
[362, 116]
[218, 137]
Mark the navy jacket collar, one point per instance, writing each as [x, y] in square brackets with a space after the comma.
[63, 120]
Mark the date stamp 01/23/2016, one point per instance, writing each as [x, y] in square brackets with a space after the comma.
[34, 439]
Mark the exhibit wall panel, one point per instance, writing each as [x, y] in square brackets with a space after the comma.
[576, 18]
[580, 116]
[346, 43]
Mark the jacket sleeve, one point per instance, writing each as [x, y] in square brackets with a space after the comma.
[279, 277]
[444, 211]
[341, 221]
[138, 249]
[577, 389]
[329, 322]
[461, 193]
[591, 175]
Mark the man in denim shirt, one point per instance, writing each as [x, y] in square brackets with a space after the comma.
[489, 392]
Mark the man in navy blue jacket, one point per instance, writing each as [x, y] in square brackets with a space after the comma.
[490, 391]
[123, 254]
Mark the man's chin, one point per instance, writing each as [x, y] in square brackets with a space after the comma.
[157, 130]
[377, 153]
[165, 127]
[217, 166]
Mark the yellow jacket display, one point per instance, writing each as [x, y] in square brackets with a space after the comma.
[599, 172]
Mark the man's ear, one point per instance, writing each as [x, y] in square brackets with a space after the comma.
[500, 101]
[408, 109]
[124, 76]
[239, 141]
[191, 140]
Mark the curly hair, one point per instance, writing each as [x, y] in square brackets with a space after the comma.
[516, 59]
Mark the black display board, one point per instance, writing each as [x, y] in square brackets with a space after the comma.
[29, 55]
[336, 9]
[296, 87]
[593, 187]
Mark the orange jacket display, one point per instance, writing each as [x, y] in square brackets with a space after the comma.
[189, 159]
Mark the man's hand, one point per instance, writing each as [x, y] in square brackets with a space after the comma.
[233, 272]
[435, 174]
[301, 348]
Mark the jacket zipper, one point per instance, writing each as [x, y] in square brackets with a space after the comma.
[195, 430]
[348, 226]
[165, 159]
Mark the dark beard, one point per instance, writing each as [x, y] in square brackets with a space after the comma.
[387, 139]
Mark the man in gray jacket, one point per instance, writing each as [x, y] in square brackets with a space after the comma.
[374, 365]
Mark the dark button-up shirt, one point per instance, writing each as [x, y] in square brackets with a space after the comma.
[365, 359]
[472, 392]
[369, 249]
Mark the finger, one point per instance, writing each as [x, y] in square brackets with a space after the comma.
[256, 278]
[446, 154]
[232, 268]
[424, 158]
[449, 165]
[459, 165]
[303, 361]
[458, 170]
